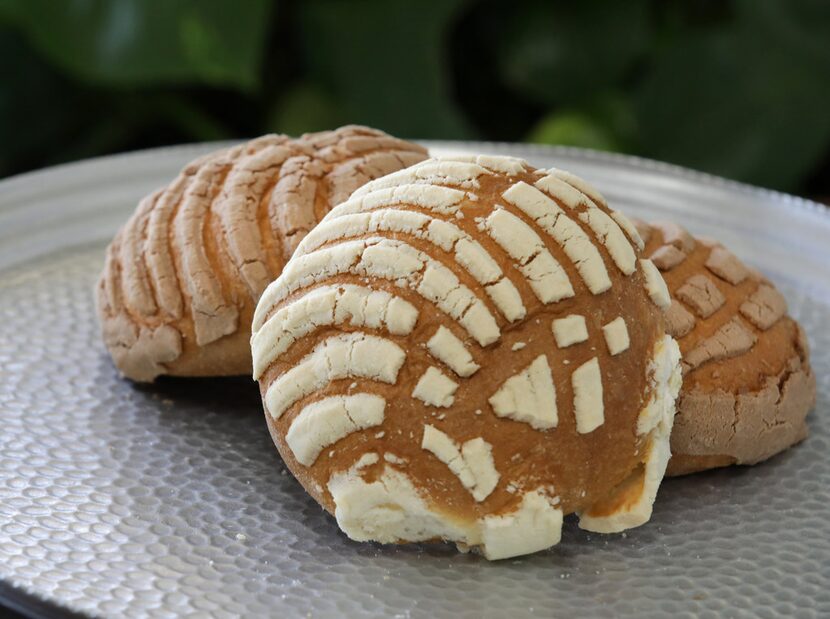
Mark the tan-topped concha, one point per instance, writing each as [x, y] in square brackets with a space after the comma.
[747, 385]
[183, 275]
[468, 350]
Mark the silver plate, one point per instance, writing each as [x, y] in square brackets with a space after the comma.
[170, 500]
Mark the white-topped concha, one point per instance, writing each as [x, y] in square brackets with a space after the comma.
[469, 350]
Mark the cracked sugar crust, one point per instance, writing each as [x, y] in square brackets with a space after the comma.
[747, 385]
[490, 422]
[182, 276]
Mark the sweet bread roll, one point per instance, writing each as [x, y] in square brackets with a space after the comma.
[183, 275]
[468, 350]
[747, 384]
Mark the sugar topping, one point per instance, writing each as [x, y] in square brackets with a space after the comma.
[397, 261]
[568, 234]
[390, 193]
[629, 228]
[726, 265]
[344, 223]
[324, 422]
[358, 306]
[679, 321]
[510, 166]
[701, 294]
[764, 307]
[528, 396]
[655, 285]
[357, 355]
[544, 274]
[607, 230]
[471, 462]
[589, 409]
[616, 336]
[732, 339]
[446, 347]
[674, 234]
[577, 183]
[569, 330]
[667, 257]
[435, 388]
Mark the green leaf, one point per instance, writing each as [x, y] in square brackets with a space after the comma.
[131, 42]
[305, 108]
[561, 52]
[744, 101]
[386, 62]
[46, 118]
[573, 128]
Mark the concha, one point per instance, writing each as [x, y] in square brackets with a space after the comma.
[183, 275]
[469, 350]
[748, 385]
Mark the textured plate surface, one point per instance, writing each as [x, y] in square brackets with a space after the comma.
[170, 501]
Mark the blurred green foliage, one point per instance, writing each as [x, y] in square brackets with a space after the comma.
[736, 87]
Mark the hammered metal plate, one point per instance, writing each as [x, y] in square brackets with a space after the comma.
[170, 501]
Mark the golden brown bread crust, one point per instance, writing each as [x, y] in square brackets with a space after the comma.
[747, 385]
[183, 275]
[577, 468]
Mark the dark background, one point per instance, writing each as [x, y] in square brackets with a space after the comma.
[740, 88]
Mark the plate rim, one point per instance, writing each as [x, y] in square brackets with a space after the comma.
[589, 155]
[30, 603]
